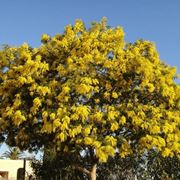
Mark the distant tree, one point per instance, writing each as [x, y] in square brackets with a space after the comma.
[13, 153]
[89, 96]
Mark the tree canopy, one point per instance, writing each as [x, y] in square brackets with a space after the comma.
[88, 92]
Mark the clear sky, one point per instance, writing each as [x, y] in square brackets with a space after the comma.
[155, 20]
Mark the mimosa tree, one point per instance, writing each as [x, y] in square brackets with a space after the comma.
[88, 92]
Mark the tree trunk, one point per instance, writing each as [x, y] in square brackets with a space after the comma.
[92, 174]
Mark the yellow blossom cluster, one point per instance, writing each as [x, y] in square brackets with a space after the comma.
[88, 88]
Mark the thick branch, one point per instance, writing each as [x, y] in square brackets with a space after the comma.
[92, 174]
[84, 170]
[93, 171]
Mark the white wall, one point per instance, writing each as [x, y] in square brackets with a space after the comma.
[12, 166]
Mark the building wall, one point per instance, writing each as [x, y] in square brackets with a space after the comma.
[12, 166]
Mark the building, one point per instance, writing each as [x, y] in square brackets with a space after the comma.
[10, 168]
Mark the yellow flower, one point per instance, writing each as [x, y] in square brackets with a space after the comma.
[125, 150]
[38, 57]
[83, 88]
[167, 128]
[176, 146]
[18, 118]
[9, 111]
[97, 144]
[56, 123]
[65, 89]
[45, 114]
[22, 80]
[98, 116]
[79, 25]
[101, 155]
[166, 152]
[112, 115]
[82, 111]
[97, 101]
[52, 116]
[111, 140]
[114, 126]
[154, 129]
[62, 137]
[114, 95]
[47, 128]
[45, 38]
[37, 102]
[109, 150]
[161, 141]
[88, 140]
[87, 131]
[122, 120]
[150, 87]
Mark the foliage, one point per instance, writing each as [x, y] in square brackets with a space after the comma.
[154, 166]
[58, 168]
[13, 153]
[148, 166]
[87, 91]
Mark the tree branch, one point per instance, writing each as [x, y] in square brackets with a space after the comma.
[84, 170]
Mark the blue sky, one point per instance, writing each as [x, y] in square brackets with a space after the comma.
[155, 20]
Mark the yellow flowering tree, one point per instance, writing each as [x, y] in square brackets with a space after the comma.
[88, 91]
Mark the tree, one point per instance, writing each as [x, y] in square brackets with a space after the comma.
[155, 166]
[88, 94]
[13, 153]
[150, 165]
